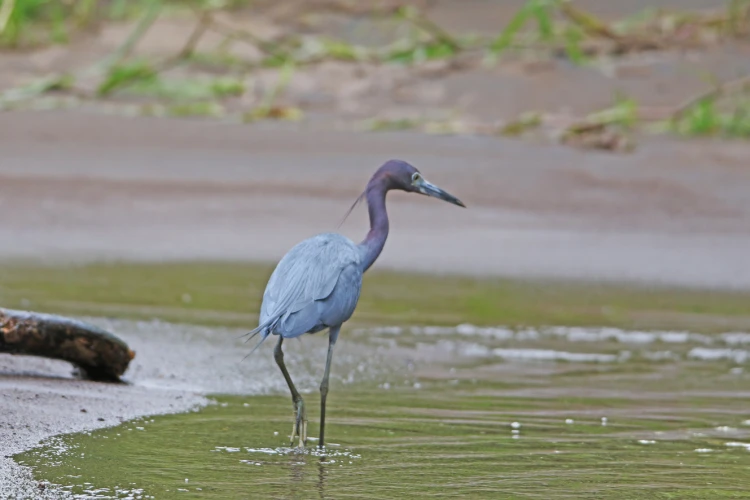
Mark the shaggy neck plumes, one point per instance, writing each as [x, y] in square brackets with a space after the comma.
[374, 242]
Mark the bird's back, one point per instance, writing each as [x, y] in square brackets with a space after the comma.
[314, 286]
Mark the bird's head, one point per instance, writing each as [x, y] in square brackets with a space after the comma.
[401, 175]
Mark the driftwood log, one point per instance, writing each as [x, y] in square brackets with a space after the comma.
[97, 353]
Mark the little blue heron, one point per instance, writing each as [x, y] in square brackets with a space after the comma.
[316, 285]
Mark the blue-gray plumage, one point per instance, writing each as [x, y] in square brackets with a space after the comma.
[316, 285]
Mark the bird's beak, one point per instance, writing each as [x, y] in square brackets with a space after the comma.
[430, 189]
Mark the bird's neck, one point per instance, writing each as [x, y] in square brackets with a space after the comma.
[374, 242]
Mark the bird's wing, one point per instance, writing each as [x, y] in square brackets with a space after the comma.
[306, 275]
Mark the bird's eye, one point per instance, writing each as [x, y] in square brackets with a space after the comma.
[416, 177]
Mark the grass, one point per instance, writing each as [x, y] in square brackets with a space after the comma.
[539, 11]
[39, 22]
[230, 294]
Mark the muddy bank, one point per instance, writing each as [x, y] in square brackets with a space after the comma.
[77, 187]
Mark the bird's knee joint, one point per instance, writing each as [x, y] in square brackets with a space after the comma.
[324, 389]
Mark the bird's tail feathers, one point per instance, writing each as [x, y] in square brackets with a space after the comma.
[264, 329]
[263, 337]
[263, 326]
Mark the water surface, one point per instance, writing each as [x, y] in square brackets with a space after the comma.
[467, 411]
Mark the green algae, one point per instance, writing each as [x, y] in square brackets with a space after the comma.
[229, 294]
[445, 441]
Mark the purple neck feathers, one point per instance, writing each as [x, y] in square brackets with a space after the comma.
[374, 242]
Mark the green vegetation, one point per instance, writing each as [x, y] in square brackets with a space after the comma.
[713, 116]
[230, 293]
[540, 11]
[25, 23]
[120, 75]
[40, 20]
[552, 28]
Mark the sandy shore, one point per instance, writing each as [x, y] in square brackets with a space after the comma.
[40, 398]
[82, 187]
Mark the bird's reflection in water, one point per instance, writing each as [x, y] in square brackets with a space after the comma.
[299, 467]
[322, 476]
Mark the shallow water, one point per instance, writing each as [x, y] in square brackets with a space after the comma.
[479, 412]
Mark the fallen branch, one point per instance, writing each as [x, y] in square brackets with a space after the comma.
[99, 354]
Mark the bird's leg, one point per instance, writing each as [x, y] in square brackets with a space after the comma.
[300, 419]
[332, 336]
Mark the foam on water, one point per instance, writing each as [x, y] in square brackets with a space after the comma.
[326, 452]
[542, 344]
[550, 355]
[735, 444]
[572, 334]
[703, 353]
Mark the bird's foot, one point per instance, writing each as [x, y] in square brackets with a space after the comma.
[299, 428]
